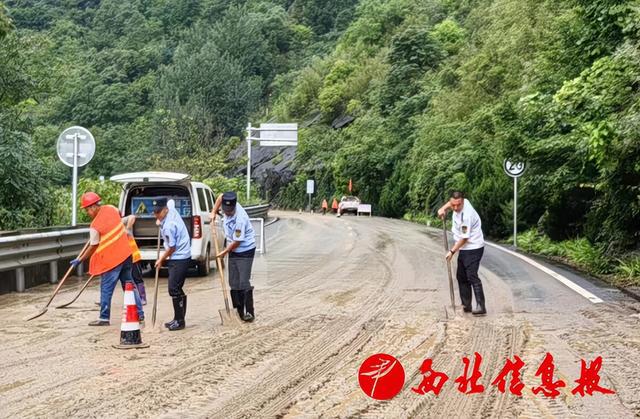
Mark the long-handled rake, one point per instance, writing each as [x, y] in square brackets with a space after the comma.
[154, 310]
[78, 294]
[55, 292]
[446, 247]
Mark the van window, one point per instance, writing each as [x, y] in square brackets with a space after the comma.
[201, 200]
[209, 198]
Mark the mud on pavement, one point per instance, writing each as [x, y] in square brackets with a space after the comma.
[330, 293]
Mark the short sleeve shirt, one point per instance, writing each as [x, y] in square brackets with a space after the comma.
[467, 225]
[238, 228]
[175, 234]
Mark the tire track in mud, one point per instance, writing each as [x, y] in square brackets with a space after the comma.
[161, 379]
[334, 292]
[337, 345]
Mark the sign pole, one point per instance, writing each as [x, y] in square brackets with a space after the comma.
[74, 187]
[515, 212]
[75, 148]
[248, 162]
[514, 169]
[309, 202]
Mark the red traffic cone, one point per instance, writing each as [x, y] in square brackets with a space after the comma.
[130, 336]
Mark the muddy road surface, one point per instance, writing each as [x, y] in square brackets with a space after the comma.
[329, 293]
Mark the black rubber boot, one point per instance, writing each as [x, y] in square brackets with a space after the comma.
[465, 295]
[237, 301]
[184, 307]
[178, 323]
[249, 315]
[480, 307]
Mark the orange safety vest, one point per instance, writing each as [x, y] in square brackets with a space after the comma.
[135, 250]
[324, 203]
[114, 247]
[334, 204]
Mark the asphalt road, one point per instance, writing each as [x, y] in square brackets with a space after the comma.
[330, 292]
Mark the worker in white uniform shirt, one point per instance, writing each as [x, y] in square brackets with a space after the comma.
[469, 242]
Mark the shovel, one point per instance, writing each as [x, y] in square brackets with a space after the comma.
[55, 292]
[155, 291]
[446, 247]
[227, 316]
[78, 294]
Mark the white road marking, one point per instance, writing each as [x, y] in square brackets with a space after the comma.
[577, 288]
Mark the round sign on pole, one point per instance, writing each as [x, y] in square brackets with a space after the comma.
[514, 168]
[66, 144]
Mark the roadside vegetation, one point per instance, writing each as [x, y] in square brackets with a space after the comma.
[408, 98]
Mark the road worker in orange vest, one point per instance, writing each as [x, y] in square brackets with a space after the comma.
[334, 205]
[324, 206]
[109, 252]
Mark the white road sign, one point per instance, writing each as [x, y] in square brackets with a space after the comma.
[514, 168]
[275, 135]
[66, 144]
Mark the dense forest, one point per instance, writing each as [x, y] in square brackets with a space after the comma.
[408, 98]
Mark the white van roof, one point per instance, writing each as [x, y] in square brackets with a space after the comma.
[150, 177]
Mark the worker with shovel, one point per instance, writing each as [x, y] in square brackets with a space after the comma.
[469, 240]
[177, 257]
[241, 248]
[109, 253]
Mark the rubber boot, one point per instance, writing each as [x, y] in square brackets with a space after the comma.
[184, 307]
[480, 309]
[178, 307]
[249, 315]
[167, 324]
[237, 301]
[143, 293]
[465, 296]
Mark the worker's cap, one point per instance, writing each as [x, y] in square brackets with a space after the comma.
[159, 204]
[229, 200]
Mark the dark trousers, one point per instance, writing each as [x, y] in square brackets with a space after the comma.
[177, 274]
[240, 264]
[136, 273]
[467, 274]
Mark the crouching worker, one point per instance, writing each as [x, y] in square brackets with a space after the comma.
[136, 270]
[109, 251]
[177, 258]
[241, 249]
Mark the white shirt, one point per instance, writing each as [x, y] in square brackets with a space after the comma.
[467, 225]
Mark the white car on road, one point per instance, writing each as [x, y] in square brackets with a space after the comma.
[348, 204]
[193, 200]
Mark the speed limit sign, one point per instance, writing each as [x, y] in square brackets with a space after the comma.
[514, 168]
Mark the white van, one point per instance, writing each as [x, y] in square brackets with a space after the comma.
[194, 201]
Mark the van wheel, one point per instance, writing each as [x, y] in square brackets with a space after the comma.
[204, 268]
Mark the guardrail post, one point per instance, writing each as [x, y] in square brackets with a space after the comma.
[20, 286]
[53, 272]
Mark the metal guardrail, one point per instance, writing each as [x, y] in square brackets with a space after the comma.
[25, 231]
[33, 249]
[20, 251]
[49, 245]
[258, 211]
